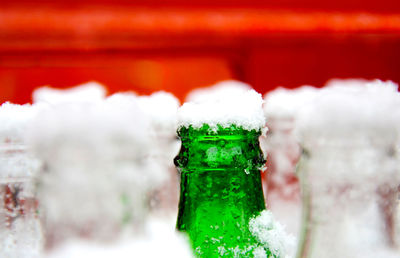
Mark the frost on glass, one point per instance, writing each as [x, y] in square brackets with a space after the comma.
[349, 171]
[281, 147]
[161, 108]
[20, 229]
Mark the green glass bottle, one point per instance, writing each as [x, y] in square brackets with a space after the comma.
[220, 189]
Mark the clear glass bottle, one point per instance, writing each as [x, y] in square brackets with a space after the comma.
[96, 175]
[342, 182]
[20, 229]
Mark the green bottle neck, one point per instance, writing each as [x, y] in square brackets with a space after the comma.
[225, 148]
[220, 188]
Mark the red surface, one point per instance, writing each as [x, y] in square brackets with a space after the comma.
[126, 73]
[50, 28]
[178, 45]
[338, 5]
[314, 60]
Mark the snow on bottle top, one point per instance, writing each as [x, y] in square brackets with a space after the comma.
[103, 123]
[355, 107]
[217, 91]
[161, 107]
[286, 102]
[240, 108]
[14, 120]
[88, 92]
[15, 162]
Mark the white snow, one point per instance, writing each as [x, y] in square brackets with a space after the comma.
[160, 240]
[14, 121]
[355, 108]
[103, 158]
[285, 103]
[97, 173]
[15, 159]
[282, 150]
[87, 92]
[23, 239]
[162, 109]
[271, 234]
[20, 234]
[237, 107]
[217, 91]
[349, 167]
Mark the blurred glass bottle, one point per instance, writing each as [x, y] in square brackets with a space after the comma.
[20, 229]
[95, 152]
[348, 172]
[342, 201]
[220, 189]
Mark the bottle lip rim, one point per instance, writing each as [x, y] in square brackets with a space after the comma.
[208, 130]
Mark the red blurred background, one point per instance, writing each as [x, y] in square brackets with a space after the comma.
[178, 45]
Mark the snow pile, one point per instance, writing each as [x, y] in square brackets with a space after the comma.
[97, 173]
[285, 103]
[271, 234]
[237, 107]
[88, 92]
[161, 240]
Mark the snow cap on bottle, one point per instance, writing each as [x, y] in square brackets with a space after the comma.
[351, 109]
[240, 107]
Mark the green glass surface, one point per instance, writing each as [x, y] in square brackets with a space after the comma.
[220, 189]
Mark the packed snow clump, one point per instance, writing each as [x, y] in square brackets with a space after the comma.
[218, 91]
[240, 108]
[271, 234]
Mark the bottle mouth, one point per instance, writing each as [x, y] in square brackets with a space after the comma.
[226, 147]
[206, 132]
